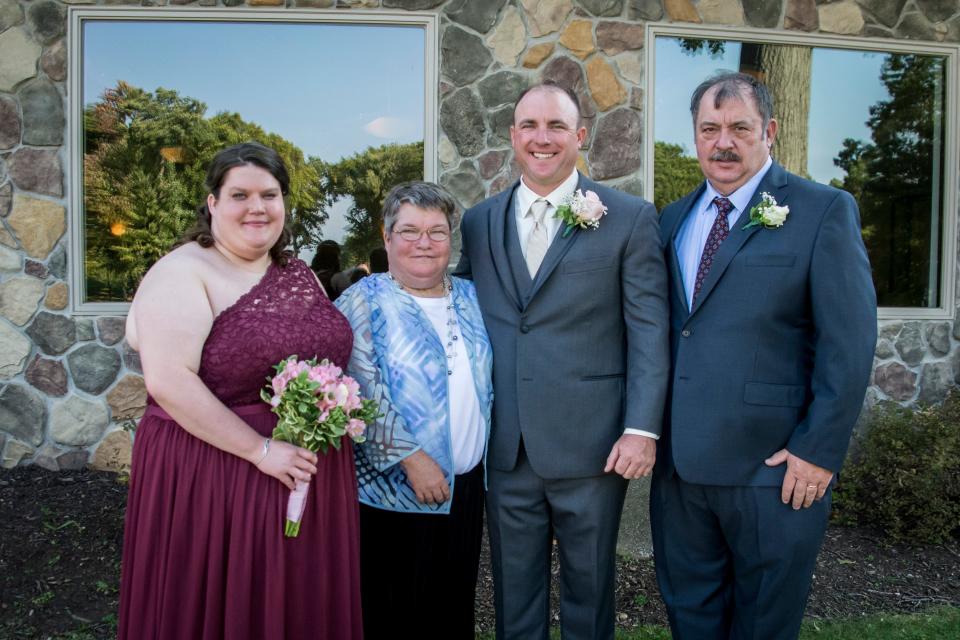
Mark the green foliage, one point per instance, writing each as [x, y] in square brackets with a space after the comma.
[905, 477]
[643, 632]
[943, 622]
[145, 159]
[136, 201]
[694, 46]
[936, 624]
[676, 174]
[366, 177]
[105, 588]
[893, 178]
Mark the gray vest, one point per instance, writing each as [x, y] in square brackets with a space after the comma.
[518, 265]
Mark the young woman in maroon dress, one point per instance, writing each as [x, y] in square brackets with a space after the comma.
[204, 553]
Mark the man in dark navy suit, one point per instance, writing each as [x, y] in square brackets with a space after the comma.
[773, 328]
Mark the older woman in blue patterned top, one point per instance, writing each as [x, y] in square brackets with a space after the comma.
[420, 349]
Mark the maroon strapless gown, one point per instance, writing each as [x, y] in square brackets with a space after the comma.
[204, 555]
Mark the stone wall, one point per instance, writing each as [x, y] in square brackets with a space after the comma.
[70, 385]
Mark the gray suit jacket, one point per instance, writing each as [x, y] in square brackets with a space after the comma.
[778, 347]
[581, 352]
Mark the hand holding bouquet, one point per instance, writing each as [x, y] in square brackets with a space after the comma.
[317, 405]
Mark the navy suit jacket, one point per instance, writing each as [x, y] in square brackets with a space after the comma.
[584, 354]
[778, 346]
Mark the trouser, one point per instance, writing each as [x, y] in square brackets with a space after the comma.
[733, 563]
[418, 571]
[525, 512]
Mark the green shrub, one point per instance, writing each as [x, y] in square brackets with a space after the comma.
[904, 474]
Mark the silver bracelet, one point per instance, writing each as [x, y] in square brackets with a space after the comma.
[266, 450]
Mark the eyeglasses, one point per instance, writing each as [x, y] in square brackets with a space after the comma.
[412, 235]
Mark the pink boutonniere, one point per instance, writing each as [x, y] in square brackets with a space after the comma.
[582, 210]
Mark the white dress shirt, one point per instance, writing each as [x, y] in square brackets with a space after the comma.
[694, 230]
[525, 197]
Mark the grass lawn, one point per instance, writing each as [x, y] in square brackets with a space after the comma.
[61, 536]
[942, 623]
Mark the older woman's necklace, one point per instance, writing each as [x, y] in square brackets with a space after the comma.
[426, 292]
[453, 327]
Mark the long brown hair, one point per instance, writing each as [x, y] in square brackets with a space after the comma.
[239, 155]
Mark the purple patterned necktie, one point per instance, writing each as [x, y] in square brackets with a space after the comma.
[718, 233]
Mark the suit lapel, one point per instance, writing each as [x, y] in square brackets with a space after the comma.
[496, 219]
[684, 208]
[773, 183]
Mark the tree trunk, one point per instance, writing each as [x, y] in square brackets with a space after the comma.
[787, 75]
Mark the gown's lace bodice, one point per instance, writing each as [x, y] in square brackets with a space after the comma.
[285, 313]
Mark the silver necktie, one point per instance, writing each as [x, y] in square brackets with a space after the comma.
[537, 242]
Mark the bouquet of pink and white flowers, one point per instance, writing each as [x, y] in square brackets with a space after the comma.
[318, 405]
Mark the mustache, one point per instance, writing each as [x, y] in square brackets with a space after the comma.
[726, 156]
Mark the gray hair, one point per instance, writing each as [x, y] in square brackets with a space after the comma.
[734, 85]
[425, 195]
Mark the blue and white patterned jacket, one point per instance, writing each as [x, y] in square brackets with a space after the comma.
[399, 361]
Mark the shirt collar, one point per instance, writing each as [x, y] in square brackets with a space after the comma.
[741, 197]
[526, 196]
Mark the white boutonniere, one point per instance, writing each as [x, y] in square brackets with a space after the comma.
[767, 213]
[582, 210]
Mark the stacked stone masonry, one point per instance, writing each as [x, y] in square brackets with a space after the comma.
[71, 388]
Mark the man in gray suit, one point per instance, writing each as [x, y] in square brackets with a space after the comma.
[773, 328]
[578, 321]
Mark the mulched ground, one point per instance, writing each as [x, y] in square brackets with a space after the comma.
[61, 534]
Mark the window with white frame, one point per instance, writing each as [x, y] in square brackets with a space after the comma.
[874, 117]
[347, 98]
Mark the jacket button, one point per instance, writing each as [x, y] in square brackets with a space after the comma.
[685, 333]
[524, 328]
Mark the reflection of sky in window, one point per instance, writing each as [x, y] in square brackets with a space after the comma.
[331, 89]
[844, 84]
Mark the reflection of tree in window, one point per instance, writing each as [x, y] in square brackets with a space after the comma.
[366, 177]
[896, 179]
[145, 157]
[786, 72]
[677, 174]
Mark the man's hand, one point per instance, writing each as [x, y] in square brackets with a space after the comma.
[426, 478]
[804, 482]
[632, 456]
